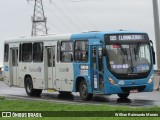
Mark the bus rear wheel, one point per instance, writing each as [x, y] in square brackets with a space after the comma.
[123, 95]
[84, 91]
[29, 88]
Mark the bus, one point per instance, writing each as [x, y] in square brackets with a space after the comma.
[117, 62]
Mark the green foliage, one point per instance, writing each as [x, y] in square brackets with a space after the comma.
[2, 98]
[20, 105]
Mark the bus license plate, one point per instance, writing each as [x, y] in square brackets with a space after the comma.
[133, 91]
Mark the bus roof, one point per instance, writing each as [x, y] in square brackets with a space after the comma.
[94, 34]
[40, 38]
[63, 37]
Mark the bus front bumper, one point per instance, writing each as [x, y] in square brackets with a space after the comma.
[116, 89]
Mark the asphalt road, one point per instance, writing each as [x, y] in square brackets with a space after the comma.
[135, 99]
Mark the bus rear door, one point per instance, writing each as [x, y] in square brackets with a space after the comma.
[14, 64]
[51, 66]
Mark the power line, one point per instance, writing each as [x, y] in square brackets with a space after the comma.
[49, 21]
[73, 23]
[75, 15]
[56, 16]
[82, 13]
[39, 20]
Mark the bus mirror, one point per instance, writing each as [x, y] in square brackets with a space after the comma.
[151, 42]
[153, 54]
[104, 51]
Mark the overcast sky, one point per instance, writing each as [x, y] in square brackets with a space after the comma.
[74, 16]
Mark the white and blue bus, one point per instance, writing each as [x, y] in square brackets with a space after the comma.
[118, 62]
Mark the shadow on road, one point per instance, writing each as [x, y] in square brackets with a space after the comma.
[126, 100]
[66, 96]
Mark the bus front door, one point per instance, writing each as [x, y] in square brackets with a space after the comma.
[97, 69]
[14, 64]
[51, 67]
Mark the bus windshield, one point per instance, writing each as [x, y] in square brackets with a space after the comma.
[129, 58]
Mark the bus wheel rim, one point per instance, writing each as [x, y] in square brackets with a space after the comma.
[84, 90]
[29, 87]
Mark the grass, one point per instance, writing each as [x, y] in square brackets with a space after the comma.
[20, 105]
[2, 97]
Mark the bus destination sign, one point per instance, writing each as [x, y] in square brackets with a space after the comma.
[126, 37]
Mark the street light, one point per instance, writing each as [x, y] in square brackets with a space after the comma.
[157, 31]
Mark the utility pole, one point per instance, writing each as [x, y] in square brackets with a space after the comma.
[38, 19]
[157, 31]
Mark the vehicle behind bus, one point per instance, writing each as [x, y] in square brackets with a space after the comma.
[118, 62]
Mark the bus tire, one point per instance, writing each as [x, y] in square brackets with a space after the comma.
[123, 95]
[83, 91]
[37, 92]
[29, 88]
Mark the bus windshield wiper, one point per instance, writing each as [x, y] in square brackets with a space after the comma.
[124, 51]
[136, 50]
[135, 53]
[131, 59]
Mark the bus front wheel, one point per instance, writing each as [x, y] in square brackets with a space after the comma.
[84, 91]
[29, 88]
[123, 95]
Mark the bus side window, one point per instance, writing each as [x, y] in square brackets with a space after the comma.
[81, 51]
[13, 57]
[66, 51]
[20, 52]
[27, 52]
[6, 52]
[49, 57]
[58, 51]
[38, 52]
[53, 56]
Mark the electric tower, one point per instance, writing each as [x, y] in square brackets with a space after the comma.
[38, 19]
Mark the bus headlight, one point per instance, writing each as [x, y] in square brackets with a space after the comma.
[150, 79]
[111, 81]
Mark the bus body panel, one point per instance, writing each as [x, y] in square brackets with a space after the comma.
[141, 85]
[6, 74]
[79, 72]
[36, 71]
[63, 76]
[10, 67]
